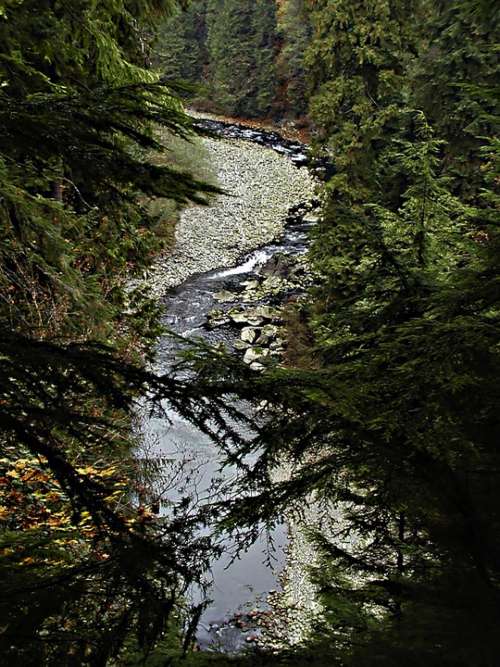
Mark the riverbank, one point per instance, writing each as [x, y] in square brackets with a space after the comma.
[292, 130]
[260, 187]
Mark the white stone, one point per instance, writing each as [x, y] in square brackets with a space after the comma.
[254, 354]
[248, 334]
[267, 333]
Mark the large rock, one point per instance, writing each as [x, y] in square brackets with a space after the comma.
[267, 313]
[277, 345]
[311, 219]
[300, 159]
[267, 334]
[217, 318]
[249, 334]
[250, 284]
[255, 366]
[255, 354]
[272, 284]
[279, 265]
[246, 317]
[241, 345]
[225, 295]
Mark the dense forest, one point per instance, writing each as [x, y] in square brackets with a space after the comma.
[245, 59]
[385, 406]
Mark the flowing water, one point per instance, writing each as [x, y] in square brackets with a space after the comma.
[245, 582]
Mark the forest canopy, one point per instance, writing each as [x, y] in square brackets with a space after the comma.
[386, 413]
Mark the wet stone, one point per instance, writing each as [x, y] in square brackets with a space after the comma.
[267, 312]
[241, 345]
[225, 295]
[256, 366]
[246, 318]
[249, 334]
[267, 333]
[255, 354]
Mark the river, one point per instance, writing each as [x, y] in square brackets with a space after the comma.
[240, 586]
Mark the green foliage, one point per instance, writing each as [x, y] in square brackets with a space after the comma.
[457, 85]
[358, 61]
[405, 320]
[241, 55]
[185, 155]
[57, 257]
[294, 31]
[181, 44]
[242, 62]
[393, 427]
[78, 110]
[68, 525]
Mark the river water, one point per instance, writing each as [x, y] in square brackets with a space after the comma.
[239, 585]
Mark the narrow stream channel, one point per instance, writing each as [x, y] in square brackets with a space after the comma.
[240, 586]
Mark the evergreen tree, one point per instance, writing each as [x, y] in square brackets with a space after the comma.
[295, 32]
[181, 44]
[241, 54]
[393, 428]
[264, 29]
[240, 60]
[71, 126]
[78, 107]
[459, 63]
[396, 432]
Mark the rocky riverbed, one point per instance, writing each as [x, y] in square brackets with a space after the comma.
[215, 287]
[262, 184]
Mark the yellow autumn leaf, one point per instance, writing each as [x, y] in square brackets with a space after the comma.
[28, 560]
[22, 463]
[108, 472]
[88, 470]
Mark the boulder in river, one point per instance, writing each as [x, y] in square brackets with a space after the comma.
[248, 317]
[311, 219]
[256, 366]
[267, 313]
[277, 266]
[250, 284]
[241, 345]
[300, 159]
[267, 334]
[255, 354]
[225, 296]
[277, 345]
[249, 334]
[217, 318]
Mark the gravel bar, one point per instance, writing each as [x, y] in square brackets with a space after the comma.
[261, 187]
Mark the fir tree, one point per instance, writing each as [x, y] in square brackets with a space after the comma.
[241, 55]
[181, 44]
[460, 58]
[396, 431]
[295, 32]
[78, 109]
